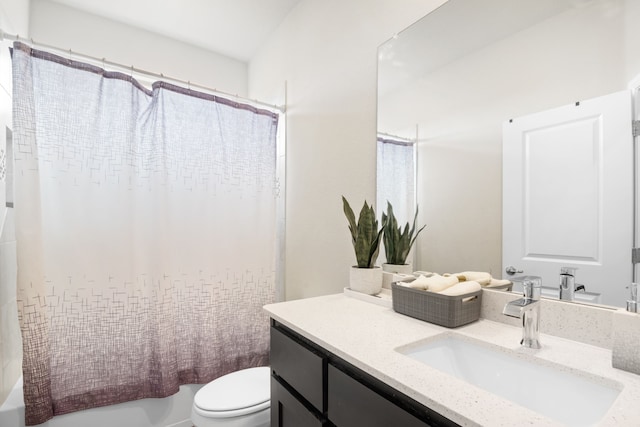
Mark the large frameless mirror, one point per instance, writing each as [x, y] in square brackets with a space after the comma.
[470, 74]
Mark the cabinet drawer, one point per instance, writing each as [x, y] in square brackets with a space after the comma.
[287, 411]
[352, 404]
[298, 366]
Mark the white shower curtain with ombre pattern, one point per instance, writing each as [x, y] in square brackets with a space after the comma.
[396, 178]
[146, 234]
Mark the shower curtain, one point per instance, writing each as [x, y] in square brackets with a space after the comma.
[396, 178]
[146, 233]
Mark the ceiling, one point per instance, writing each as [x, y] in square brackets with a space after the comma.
[235, 28]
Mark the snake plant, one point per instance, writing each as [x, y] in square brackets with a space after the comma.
[398, 243]
[365, 234]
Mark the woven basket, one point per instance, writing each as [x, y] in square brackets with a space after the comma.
[443, 310]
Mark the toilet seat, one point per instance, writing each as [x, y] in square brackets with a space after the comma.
[236, 394]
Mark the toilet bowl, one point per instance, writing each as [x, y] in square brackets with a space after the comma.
[238, 399]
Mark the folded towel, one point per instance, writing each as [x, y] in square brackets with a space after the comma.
[460, 276]
[477, 276]
[437, 283]
[496, 282]
[462, 288]
[419, 283]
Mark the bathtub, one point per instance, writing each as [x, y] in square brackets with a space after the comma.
[172, 411]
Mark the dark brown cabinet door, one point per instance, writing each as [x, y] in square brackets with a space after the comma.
[297, 366]
[352, 404]
[287, 411]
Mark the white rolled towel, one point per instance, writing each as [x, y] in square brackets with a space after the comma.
[462, 288]
[419, 283]
[399, 277]
[477, 276]
[497, 282]
[437, 283]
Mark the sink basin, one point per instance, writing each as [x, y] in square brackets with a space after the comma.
[568, 396]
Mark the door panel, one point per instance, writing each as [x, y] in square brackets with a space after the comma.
[561, 194]
[568, 194]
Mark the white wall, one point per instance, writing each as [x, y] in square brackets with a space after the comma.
[14, 18]
[67, 28]
[326, 52]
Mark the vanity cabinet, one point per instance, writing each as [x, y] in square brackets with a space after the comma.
[310, 386]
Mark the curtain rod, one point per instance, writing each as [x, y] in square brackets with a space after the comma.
[132, 69]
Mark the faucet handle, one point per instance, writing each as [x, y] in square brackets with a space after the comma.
[532, 287]
[569, 271]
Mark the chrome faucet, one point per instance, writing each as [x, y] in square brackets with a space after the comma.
[527, 309]
[568, 285]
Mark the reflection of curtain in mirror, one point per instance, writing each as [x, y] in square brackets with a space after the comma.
[145, 223]
[396, 178]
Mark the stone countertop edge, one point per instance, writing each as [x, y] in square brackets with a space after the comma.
[366, 335]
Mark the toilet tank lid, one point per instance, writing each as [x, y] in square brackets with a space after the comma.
[237, 390]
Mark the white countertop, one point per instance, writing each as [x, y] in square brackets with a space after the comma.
[366, 335]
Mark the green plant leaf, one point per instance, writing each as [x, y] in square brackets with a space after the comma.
[365, 234]
[398, 242]
[351, 218]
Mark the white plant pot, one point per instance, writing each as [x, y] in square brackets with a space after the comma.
[398, 268]
[366, 280]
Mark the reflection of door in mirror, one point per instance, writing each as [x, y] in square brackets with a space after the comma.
[567, 194]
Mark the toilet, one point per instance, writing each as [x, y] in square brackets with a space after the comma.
[238, 399]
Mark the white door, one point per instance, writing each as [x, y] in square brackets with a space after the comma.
[568, 195]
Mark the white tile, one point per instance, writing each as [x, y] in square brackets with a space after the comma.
[6, 82]
[4, 346]
[12, 372]
[9, 331]
[8, 227]
[8, 272]
[4, 391]
[14, 338]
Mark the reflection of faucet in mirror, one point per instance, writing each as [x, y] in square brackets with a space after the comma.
[632, 304]
[527, 309]
[568, 285]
